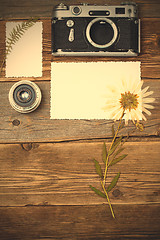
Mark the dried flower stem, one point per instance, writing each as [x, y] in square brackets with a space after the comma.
[106, 167]
[115, 135]
[103, 186]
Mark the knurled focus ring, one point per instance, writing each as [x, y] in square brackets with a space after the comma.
[25, 96]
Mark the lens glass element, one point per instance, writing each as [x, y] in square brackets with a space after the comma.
[25, 96]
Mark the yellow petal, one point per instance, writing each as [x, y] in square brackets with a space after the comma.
[144, 117]
[148, 100]
[145, 89]
[147, 94]
[148, 106]
[146, 111]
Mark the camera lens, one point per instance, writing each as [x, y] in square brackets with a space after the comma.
[25, 96]
[101, 32]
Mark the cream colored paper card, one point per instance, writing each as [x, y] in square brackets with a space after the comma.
[79, 90]
[25, 60]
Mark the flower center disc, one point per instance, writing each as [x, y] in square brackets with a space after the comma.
[129, 101]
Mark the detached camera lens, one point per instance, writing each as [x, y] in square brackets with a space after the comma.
[25, 96]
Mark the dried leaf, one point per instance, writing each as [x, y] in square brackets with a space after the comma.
[17, 33]
[118, 140]
[122, 125]
[116, 160]
[113, 183]
[104, 153]
[117, 152]
[10, 40]
[140, 126]
[14, 36]
[98, 168]
[98, 192]
[113, 131]
[115, 145]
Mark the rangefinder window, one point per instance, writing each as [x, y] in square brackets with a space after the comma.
[99, 13]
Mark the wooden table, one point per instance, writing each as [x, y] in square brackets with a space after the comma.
[46, 166]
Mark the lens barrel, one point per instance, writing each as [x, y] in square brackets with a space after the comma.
[25, 96]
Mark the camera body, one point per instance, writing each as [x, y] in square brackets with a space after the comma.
[92, 30]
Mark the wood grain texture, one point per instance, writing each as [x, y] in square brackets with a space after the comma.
[43, 8]
[46, 166]
[80, 223]
[60, 174]
[37, 126]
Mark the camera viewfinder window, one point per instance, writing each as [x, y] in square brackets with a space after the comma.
[120, 10]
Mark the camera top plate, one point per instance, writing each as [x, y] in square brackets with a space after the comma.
[120, 11]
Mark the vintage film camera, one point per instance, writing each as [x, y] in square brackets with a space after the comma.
[92, 30]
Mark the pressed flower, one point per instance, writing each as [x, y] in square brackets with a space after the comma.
[130, 99]
[125, 100]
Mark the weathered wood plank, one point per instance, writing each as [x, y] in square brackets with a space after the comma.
[149, 57]
[47, 174]
[29, 8]
[80, 222]
[37, 126]
[60, 174]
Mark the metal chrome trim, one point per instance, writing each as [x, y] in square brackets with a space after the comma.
[130, 53]
[139, 35]
[130, 11]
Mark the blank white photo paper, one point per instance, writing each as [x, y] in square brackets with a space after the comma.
[80, 90]
[25, 59]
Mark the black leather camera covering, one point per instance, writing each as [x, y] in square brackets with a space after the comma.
[127, 36]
